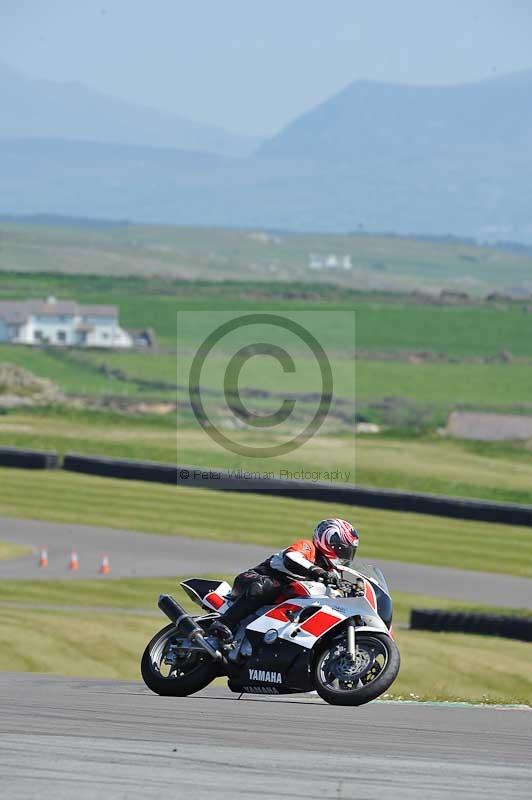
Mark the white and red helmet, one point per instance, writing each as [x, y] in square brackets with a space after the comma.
[336, 540]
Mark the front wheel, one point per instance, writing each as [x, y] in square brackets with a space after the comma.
[343, 682]
[169, 668]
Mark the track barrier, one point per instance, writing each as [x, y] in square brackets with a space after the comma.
[121, 468]
[227, 481]
[28, 459]
[437, 620]
[345, 494]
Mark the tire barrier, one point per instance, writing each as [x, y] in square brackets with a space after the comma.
[227, 481]
[346, 494]
[437, 620]
[28, 459]
[121, 468]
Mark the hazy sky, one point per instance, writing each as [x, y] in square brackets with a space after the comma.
[252, 66]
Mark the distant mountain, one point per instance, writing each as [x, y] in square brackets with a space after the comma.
[40, 109]
[454, 159]
[379, 120]
[95, 180]
[376, 157]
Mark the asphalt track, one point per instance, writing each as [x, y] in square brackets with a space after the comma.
[134, 554]
[68, 737]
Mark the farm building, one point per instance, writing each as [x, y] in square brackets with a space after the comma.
[61, 322]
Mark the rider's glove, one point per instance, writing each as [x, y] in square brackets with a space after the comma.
[332, 578]
[318, 574]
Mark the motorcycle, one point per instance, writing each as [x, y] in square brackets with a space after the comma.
[336, 639]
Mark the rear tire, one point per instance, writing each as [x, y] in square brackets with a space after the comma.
[200, 674]
[362, 692]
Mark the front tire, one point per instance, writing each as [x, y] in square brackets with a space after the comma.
[190, 674]
[344, 683]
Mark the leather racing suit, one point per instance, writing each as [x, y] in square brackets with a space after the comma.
[263, 584]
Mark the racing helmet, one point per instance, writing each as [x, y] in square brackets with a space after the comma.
[336, 540]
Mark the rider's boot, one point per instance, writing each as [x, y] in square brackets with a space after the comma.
[226, 626]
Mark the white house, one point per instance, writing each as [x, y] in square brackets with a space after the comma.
[331, 261]
[315, 262]
[61, 322]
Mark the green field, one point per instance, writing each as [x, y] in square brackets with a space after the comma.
[214, 254]
[441, 385]
[208, 514]
[422, 392]
[384, 321]
[461, 366]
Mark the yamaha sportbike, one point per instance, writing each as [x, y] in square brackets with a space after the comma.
[334, 639]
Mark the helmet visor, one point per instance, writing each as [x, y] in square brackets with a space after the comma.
[345, 553]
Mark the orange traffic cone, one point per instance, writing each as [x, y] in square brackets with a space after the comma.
[73, 563]
[43, 557]
[105, 568]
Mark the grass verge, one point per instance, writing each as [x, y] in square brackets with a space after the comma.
[67, 643]
[8, 550]
[415, 538]
[454, 666]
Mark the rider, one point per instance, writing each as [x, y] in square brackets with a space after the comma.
[334, 543]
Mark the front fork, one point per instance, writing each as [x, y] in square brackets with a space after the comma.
[351, 645]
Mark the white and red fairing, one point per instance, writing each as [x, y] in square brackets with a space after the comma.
[208, 594]
[331, 609]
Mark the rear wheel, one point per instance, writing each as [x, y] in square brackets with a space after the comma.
[343, 682]
[168, 667]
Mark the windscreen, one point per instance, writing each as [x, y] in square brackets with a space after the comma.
[370, 571]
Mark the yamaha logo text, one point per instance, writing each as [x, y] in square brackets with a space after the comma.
[265, 676]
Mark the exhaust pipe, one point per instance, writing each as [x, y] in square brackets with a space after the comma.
[185, 624]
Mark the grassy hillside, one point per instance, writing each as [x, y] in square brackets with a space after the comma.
[423, 393]
[463, 343]
[441, 384]
[211, 253]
